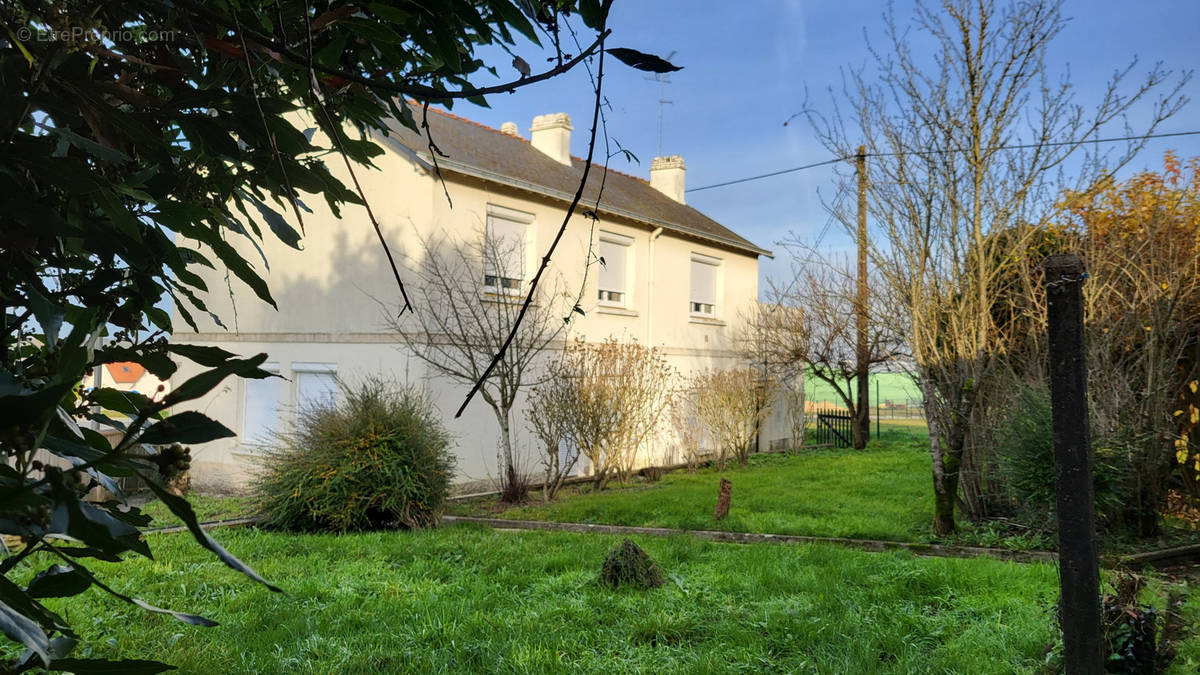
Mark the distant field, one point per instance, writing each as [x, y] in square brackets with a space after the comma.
[895, 387]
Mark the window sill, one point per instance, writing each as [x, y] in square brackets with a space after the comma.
[705, 320]
[615, 311]
[505, 298]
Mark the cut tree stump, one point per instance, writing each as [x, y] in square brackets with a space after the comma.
[723, 496]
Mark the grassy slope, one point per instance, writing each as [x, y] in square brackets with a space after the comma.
[882, 493]
[464, 599]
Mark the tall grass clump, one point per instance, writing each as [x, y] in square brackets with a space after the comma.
[377, 458]
[1025, 449]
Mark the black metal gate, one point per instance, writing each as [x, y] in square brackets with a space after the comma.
[835, 429]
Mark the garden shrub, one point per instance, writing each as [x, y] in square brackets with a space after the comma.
[1025, 449]
[378, 458]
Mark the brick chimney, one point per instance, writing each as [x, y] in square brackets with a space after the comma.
[552, 135]
[666, 176]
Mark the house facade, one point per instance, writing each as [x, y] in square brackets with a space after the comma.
[673, 279]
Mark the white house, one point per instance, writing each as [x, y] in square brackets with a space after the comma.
[674, 278]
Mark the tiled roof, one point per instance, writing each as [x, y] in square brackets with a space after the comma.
[483, 152]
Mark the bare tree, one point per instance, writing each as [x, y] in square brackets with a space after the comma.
[730, 404]
[472, 291]
[684, 416]
[550, 416]
[810, 327]
[618, 393]
[969, 142]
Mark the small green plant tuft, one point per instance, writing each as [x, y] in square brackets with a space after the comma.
[629, 565]
[379, 458]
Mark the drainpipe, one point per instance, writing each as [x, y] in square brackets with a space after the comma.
[650, 310]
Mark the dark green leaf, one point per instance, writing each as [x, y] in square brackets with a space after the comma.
[20, 629]
[204, 355]
[89, 146]
[205, 382]
[128, 402]
[592, 13]
[59, 581]
[286, 233]
[642, 61]
[181, 508]
[48, 314]
[185, 427]
[158, 363]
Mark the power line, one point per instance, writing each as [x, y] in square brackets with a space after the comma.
[1020, 146]
[766, 175]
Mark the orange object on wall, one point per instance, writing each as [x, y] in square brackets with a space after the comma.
[126, 372]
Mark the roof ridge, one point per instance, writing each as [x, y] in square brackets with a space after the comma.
[472, 122]
[494, 130]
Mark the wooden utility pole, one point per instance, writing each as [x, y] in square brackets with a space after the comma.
[1078, 569]
[863, 366]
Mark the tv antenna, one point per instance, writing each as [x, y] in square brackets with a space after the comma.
[662, 79]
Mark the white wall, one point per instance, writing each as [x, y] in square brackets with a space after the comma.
[334, 294]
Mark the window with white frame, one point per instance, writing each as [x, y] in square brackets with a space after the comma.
[260, 407]
[613, 278]
[504, 251]
[702, 300]
[316, 384]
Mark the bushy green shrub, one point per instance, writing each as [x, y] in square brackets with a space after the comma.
[1025, 450]
[378, 458]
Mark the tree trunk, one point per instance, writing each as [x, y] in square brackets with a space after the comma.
[945, 465]
[509, 481]
[857, 434]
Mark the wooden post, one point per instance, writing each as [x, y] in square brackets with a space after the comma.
[724, 493]
[863, 368]
[1079, 572]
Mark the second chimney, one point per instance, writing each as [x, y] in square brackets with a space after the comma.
[552, 135]
[666, 176]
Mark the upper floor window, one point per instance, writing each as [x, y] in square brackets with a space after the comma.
[504, 249]
[703, 296]
[613, 278]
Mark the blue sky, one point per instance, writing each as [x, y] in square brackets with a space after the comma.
[747, 65]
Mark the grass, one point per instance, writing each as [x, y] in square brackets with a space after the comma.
[207, 507]
[466, 599]
[882, 493]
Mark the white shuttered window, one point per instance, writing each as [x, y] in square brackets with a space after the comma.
[504, 249]
[703, 296]
[316, 384]
[613, 277]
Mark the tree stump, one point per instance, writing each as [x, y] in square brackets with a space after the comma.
[723, 495]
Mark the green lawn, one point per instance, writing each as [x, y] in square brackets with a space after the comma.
[206, 507]
[884, 492]
[466, 599]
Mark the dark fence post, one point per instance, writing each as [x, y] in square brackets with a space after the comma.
[1079, 572]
